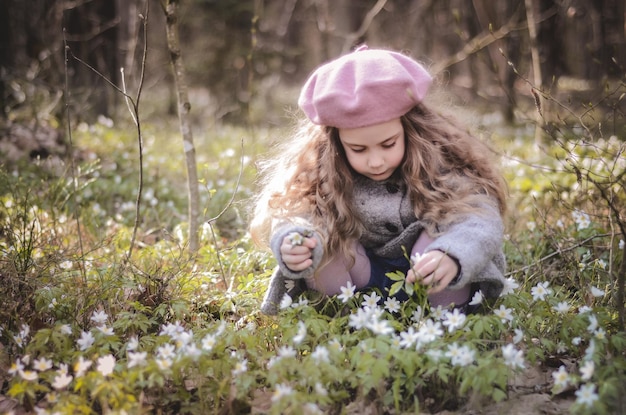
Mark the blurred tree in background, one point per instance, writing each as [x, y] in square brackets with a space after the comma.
[246, 58]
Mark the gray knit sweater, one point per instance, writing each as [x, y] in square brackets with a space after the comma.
[389, 225]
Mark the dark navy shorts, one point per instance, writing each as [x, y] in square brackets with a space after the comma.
[379, 267]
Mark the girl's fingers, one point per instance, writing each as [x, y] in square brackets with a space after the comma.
[299, 266]
[287, 247]
[429, 278]
[434, 269]
[297, 262]
[441, 284]
[297, 257]
[296, 250]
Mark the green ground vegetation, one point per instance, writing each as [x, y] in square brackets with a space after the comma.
[86, 329]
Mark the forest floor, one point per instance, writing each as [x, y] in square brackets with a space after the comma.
[529, 395]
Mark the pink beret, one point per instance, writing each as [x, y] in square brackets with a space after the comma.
[365, 87]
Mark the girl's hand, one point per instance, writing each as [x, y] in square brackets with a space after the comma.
[297, 254]
[435, 269]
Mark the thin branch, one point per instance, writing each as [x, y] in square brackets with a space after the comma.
[73, 163]
[232, 197]
[217, 254]
[133, 107]
[144, 56]
[608, 196]
[95, 31]
[528, 164]
[129, 104]
[483, 40]
[621, 281]
[219, 215]
[100, 74]
[139, 131]
[556, 253]
[367, 21]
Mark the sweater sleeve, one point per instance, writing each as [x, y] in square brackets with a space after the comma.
[476, 243]
[280, 232]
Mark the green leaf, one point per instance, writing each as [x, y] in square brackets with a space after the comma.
[498, 395]
[17, 390]
[395, 276]
[443, 373]
[395, 287]
[479, 328]
[409, 288]
[618, 341]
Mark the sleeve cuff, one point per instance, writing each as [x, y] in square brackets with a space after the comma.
[316, 255]
[457, 277]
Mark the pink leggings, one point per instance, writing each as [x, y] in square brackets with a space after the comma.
[336, 274]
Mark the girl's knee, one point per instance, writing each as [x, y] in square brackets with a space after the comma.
[340, 270]
[450, 297]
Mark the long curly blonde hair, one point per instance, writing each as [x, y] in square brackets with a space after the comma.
[447, 172]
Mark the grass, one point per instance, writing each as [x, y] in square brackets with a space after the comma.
[84, 330]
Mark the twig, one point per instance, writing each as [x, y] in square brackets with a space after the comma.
[232, 197]
[217, 254]
[127, 99]
[100, 74]
[367, 21]
[73, 163]
[608, 195]
[621, 274]
[219, 215]
[139, 131]
[621, 281]
[557, 252]
[133, 107]
[476, 44]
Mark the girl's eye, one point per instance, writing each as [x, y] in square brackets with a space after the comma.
[358, 150]
[389, 145]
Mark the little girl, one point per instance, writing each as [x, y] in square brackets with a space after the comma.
[373, 175]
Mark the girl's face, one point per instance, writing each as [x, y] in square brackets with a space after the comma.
[374, 151]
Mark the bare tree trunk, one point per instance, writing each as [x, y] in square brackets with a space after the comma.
[128, 33]
[513, 49]
[173, 44]
[90, 31]
[504, 50]
[536, 64]
[621, 286]
[614, 56]
[353, 38]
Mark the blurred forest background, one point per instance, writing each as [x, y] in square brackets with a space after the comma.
[245, 59]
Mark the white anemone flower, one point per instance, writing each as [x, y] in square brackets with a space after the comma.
[106, 364]
[347, 292]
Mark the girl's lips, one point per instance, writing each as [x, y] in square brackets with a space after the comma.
[378, 175]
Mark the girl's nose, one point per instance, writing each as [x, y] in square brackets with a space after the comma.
[375, 161]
